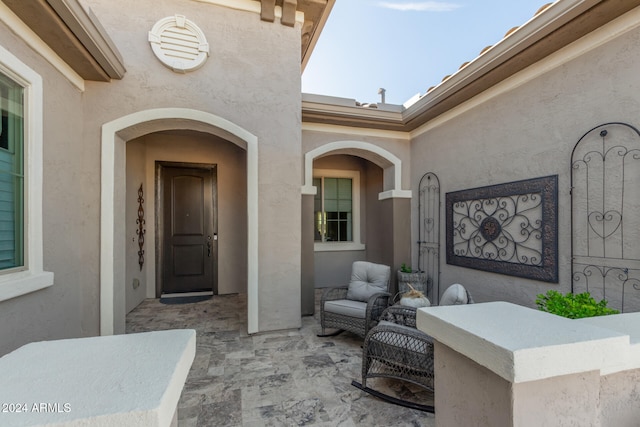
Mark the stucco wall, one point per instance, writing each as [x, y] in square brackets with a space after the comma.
[136, 176]
[482, 398]
[471, 394]
[252, 79]
[527, 132]
[619, 399]
[69, 219]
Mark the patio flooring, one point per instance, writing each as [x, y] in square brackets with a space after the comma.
[285, 378]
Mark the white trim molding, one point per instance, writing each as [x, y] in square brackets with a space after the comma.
[32, 277]
[114, 135]
[395, 194]
[390, 163]
[355, 131]
[356, 243]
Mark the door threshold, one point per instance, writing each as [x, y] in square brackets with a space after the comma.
[187, 294]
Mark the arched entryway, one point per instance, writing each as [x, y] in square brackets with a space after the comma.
[390, 163]
[115, 135]
[377, 216]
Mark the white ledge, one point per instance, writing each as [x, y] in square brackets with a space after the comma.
[120, 380]
[627, 323]
[338, 246]
[309, 190]
[13, 285]
[395, 194]
[521, 344]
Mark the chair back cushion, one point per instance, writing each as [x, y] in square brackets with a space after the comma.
[367, 279]
[455, 294]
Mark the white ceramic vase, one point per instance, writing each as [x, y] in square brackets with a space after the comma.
[415, 302]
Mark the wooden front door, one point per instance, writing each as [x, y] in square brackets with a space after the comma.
[188, 228]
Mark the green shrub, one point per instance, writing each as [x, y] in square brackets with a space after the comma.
[573, 306]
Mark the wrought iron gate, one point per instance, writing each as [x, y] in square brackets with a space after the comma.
[605, 215]
[429, 233]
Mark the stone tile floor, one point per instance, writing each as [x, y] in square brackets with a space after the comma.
[285, 378]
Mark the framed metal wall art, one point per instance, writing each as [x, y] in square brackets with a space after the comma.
[507, 228]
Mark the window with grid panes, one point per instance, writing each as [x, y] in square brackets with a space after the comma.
[333, 209]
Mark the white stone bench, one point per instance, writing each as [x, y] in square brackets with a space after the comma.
[120, 380]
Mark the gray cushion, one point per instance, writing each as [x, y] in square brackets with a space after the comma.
[367, 279]
[346, 307]
[455, 294]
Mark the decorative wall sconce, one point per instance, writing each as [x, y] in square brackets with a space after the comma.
[141, 231]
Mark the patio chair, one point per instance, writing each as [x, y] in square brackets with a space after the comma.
[357, 307]
[396, 349]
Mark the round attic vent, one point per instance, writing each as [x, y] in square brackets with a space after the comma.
[179, 44]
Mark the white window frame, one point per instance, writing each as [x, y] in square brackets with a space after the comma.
[356, 244]
[31, 277]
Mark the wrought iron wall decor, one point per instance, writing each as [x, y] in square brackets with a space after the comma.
[605, 215]
[429, 233]
[141, 231]
[507, 228]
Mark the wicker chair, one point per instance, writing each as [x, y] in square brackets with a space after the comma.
[357, 307]
[396, 349]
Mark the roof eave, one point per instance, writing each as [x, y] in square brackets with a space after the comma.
[317, 112]
[74, 34]
[307, 49]
[88, 29]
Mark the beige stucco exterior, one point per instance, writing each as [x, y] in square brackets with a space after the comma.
[64, 310]
[111, 110]
[212, 89]
[269, 56]
[242, 110]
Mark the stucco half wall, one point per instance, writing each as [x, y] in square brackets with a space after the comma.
[115, 134]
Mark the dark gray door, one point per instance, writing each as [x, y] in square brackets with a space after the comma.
[189, 246]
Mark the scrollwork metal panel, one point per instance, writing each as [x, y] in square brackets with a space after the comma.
[605, 206]
[141, 230]
[507, 228]
[429, 233]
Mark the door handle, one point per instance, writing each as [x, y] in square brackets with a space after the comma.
[209, 246]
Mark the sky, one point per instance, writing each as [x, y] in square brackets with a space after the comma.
[404, 46]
